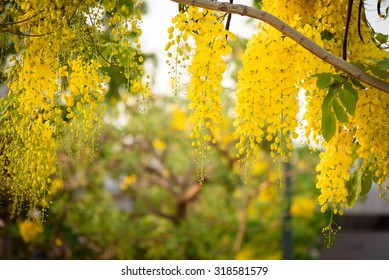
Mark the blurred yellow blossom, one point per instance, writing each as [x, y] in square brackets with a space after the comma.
[128, 181]
[58, 242]
[159, 145]
[179, 120]
[244, 254]
[56, 185]
[303, 207]
[29, 230]
[259, 167]
[250, 254]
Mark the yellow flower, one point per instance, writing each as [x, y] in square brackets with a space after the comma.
[56, 185]
[128, 181]
[159, 145]
[136, 86]
[259, 167]
[29, 230]
[58, 242]
[244, 254]
[179, 121]
[303, 207]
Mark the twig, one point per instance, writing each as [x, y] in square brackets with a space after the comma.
[96, 46]
[18, 22]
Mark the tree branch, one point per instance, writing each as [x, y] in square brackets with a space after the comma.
[293, 34]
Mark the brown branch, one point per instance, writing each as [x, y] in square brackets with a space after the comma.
[242, 213]
[190, 193]
[293, 34]
[19, 22]
[160, 180]
[243, 216]
[18, 33]
[4, 29]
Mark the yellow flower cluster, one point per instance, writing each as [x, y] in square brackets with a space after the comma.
[125, 33]
[206, 70]
[323, 21]
[84, 93]
[372, 132]
[334, 172]
[266, 102]
[57, 84]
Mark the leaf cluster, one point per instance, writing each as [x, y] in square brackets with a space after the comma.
[339, 102]
[359, 184]
[379, 68]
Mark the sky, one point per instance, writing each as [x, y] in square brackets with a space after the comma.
[158, 20]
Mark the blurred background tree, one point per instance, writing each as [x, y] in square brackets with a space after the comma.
[139, 198]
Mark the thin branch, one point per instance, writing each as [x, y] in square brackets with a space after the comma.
[191, 193]
[19, 22]
[293, 34]
[11, 31]
[348, 19]
[243, 215]
[160, 180]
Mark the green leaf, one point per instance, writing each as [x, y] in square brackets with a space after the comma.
[182, 8]
[328, 124]
[348, 100]
[357, 83]
[359, 65]
[349, 87]
[324, 80]
[340, 113]
[373, 59]
[328, 121]
[366, 182]
[382, 38]
[383, 74]
[354, 187]
[351, 196]
[326, 35]
[383, 64]
[329, 97]
[338, 78]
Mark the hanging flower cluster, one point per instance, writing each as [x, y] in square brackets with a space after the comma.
[334, 173]
[56, 83]
[344, 117]
[361, 112]
[266, 103]
[209, 38]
